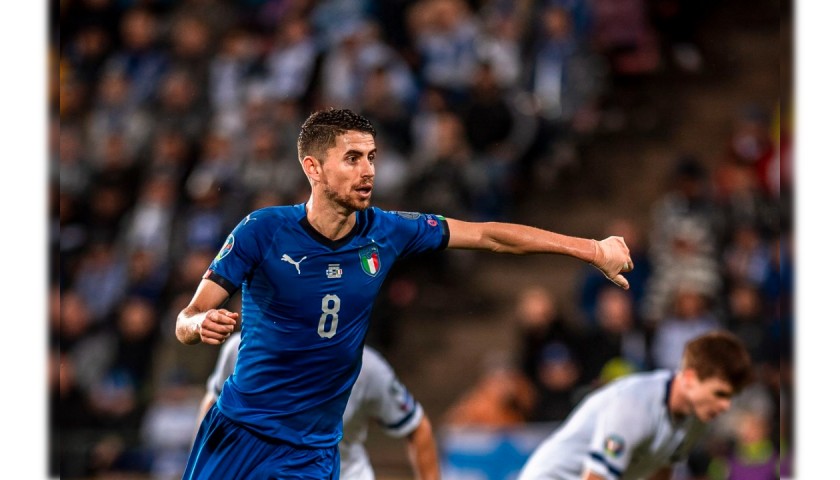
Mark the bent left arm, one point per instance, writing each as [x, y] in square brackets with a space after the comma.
[422, 451]
[610, 255]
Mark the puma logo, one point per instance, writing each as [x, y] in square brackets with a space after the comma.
[287, 258]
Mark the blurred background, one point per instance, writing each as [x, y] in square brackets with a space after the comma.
[665, 121]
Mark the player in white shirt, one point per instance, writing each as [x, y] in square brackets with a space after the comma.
[377, 395]
[639, 426]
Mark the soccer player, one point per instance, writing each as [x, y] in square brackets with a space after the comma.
[309, 274]
[377, 395]
[640, 425]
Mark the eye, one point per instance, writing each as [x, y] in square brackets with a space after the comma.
[723, 394]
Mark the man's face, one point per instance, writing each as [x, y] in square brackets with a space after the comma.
[348, 171]
[710, 397]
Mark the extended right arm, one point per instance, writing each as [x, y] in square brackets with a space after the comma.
[610, 255]
[202, 320]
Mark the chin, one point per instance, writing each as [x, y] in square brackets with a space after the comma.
[354, 205]
[709, 417]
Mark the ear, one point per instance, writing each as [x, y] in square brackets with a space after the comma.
[690, 376]
[311, 167]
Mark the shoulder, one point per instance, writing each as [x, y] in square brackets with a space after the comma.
[400, 219]
[277, 213]
[635, 403]
[270, 218]
[641, 379]
[400, 215]
[644, 391]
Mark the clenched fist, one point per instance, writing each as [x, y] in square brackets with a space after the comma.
[217, 326]
[612, 258]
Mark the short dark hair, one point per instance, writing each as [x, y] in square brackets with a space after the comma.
[319, 131]
[720, 354]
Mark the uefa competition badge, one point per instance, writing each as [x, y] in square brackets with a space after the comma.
[369, 256]
[614, 445]
[226, 248]
[408, 215]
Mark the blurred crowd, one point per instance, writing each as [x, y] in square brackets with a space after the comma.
[170, 120]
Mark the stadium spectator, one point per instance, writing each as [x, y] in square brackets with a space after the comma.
[72, 171]
[113, 114]
[142, 56]
[501, 397]
[167, 429]
[444, 35]
[191, 43]
[688, 259]
[752, 456]
[557, 385]
[499, 134]
[617, 336]
[101, 279]
[234, 68]
[291, 60]
[540, 323]
[179, 107]
[688, 316]
[440, 179]
[623, 33]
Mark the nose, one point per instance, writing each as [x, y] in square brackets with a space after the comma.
[368, 170]
[724, 405]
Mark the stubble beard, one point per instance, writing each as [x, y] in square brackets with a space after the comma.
[346, 202]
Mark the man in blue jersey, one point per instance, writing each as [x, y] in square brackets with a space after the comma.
[638, 426]
[309, 274]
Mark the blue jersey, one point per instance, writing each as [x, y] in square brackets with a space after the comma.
[306, 304]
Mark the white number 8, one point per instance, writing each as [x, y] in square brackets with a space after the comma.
[330, 305]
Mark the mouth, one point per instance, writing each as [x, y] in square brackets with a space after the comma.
[365, 191]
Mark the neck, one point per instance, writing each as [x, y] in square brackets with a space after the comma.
[333, 222]
[678, 404]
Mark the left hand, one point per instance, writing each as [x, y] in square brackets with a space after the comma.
[612, 258]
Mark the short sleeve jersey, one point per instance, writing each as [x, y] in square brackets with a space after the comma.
[621, 431]
[377, 395]
[306, 304]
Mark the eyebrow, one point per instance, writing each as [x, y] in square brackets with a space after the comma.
[358, 152]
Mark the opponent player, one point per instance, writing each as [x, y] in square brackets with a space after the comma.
[377, 395]
[309, 274]
[638, 426]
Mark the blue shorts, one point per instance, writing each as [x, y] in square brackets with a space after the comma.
[224, 450]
